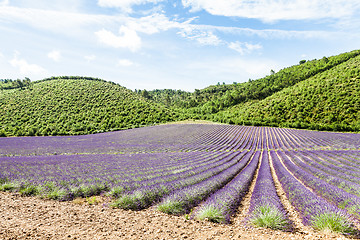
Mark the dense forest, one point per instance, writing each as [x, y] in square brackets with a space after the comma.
[318, 94]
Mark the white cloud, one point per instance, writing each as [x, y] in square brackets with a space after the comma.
[63, 5]
[274, 10]
[153, 23]
[26, 68]
[79, 24]
[54, 55]
[128, 38]
[125, 5]
[244, 47]
[4, 3]
[124, 63]
[90, 58]
[202, 36]
[61, 22]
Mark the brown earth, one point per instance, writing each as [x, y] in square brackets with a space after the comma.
[34, 218]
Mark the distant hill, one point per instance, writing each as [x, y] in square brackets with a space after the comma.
[327, 101]
[222, 96]
[75, 105]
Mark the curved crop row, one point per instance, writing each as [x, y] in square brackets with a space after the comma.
[146, 196]
[339, 197]
[183, 200]
[266, 209]
[311, 207]
[222, 204]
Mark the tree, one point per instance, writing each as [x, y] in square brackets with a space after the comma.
[145, 94]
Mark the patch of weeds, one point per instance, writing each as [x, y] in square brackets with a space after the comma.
[93, 200]
[333, 223]
[269, 217]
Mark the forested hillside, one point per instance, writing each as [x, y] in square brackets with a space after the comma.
[326, 101]
[221, 96]
[73, 106]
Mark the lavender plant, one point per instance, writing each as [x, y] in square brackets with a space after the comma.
[182, 201]
[222, 204]
[266, 209]
[306, 202]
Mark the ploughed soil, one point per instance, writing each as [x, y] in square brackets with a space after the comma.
[35, 218]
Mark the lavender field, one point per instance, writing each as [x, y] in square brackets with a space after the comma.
[201, 170]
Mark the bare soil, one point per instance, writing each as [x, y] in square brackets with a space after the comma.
[34, 218]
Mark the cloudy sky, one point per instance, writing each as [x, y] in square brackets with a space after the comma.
[180, 44]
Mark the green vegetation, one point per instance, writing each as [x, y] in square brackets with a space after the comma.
[333, 223]
[74, 105]
[221, 96]
[326, 101]
[12, 84]
[211, 213]
[269, 217]
[317, 94]
[171, 207]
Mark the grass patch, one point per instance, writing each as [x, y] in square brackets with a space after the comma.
[95, 200]
[126, 202]
[211, 214]
[171, 207]
[116, 191]
[8, 186]
[56, 194]
[269, 217]
[333, 223]
[29, 190]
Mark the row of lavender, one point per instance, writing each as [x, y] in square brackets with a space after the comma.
[176, 167]
[180, 138]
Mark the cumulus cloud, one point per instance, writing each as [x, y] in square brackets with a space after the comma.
[54, 55]
[128, 38]
[26, 68]
[124, 63]
[274, 10]
[244, 47]
[125, 5]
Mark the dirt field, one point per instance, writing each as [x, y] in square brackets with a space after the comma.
[34, 218]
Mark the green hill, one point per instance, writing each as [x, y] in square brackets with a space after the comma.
[221, 96]
[327, 101]
[74, 105]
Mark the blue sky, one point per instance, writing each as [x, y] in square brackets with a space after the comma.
[182, 44]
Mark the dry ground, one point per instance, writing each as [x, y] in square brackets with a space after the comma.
[34, 218]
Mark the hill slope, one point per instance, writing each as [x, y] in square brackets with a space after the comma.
[75, 106]
[327, 101]
[219, 97]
